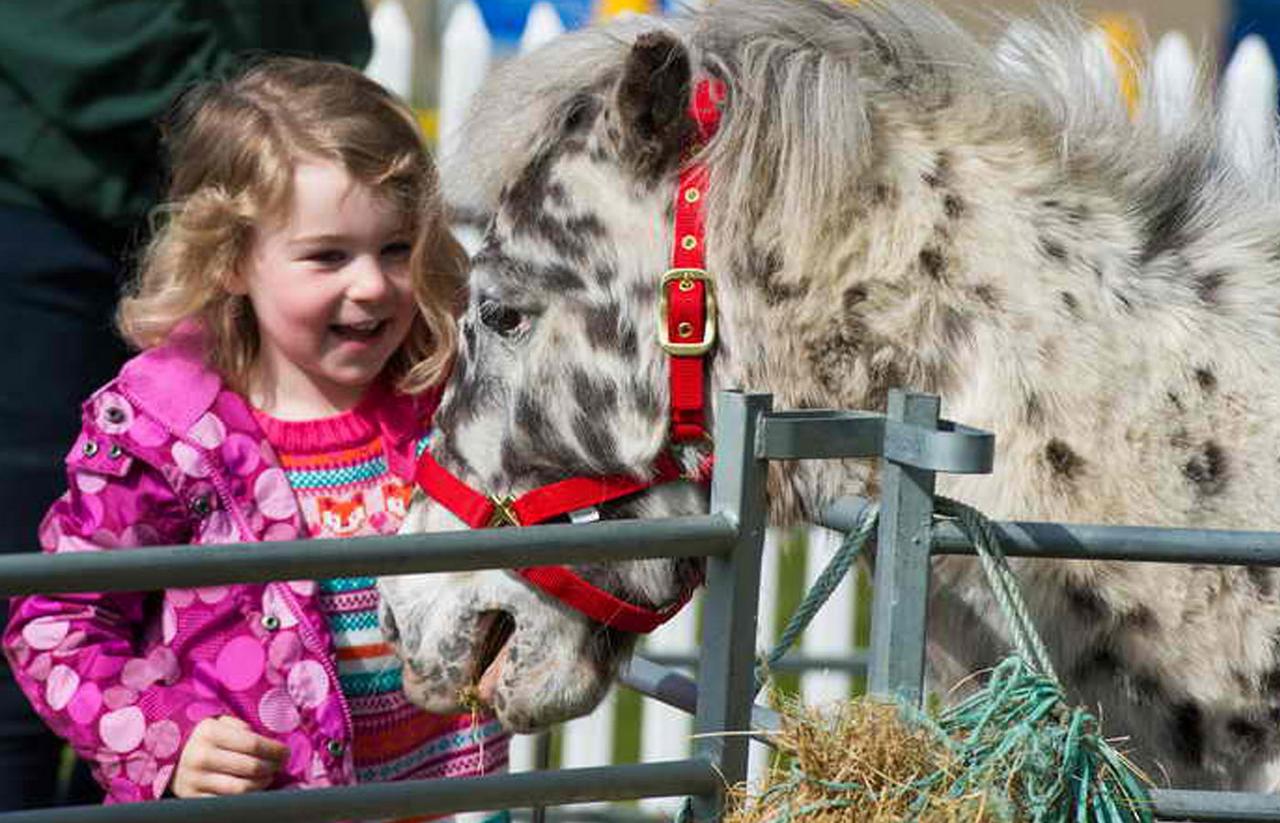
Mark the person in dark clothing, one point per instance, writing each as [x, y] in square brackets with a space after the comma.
[82, 83]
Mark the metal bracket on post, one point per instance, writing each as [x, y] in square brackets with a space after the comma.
[898, 613]
[726, 667]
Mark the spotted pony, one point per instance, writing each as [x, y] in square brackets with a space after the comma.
[890, 204]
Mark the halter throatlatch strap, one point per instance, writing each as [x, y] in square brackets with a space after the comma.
[687, 304]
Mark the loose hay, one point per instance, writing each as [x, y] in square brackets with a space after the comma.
[861, 762]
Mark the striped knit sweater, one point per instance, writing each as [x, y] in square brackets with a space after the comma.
[339, 473]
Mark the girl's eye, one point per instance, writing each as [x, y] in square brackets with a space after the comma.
[399, 249]
[502, 319]
[328, 257]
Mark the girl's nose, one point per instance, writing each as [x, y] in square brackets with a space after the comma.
[369, 280]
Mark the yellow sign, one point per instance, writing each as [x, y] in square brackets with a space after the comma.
[612, 8]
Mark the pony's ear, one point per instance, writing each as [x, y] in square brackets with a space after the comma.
[652, 100]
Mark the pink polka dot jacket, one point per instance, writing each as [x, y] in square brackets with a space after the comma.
[168, 455]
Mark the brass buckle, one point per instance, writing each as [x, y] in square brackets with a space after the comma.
[503, 512]
[709, 329]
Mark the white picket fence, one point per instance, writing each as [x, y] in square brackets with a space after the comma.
[1248, 87]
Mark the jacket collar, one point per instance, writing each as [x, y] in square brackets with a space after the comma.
[177, 387]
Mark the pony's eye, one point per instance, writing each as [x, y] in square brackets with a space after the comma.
[502, 319]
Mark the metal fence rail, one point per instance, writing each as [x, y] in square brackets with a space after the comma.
[913, 445]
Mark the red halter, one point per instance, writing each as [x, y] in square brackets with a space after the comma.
[687, 331]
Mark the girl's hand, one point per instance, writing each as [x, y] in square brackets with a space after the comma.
[224, 756]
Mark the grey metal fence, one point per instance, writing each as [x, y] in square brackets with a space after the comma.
[913, 445]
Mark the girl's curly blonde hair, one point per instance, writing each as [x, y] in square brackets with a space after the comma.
[231, 147]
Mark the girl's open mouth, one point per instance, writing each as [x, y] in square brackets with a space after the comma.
[359, 332]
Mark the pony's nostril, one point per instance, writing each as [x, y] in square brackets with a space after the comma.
[493, 630]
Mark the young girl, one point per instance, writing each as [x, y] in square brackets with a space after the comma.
[294, 312]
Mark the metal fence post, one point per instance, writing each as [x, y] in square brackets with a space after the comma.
[726, 667]
[898, 612]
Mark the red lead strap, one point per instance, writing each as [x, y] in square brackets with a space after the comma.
[688, 323]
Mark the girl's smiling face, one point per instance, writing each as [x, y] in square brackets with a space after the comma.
[330, 285]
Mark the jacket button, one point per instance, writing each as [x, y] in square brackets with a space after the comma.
[114, 414]
[200, 505]
[114, 452]
[90, 448]
[335, 747]
[270, 622]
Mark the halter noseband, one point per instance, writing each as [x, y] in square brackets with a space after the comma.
[687, 332]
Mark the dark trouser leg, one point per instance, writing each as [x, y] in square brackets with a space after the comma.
[57, 296]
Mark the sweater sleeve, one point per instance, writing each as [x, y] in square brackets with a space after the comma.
[94, 665]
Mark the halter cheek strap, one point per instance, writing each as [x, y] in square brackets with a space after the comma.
[687, 304]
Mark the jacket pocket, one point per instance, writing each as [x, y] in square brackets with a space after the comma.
[100, 454]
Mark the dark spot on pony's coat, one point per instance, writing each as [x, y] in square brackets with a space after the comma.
[954, 206]
[884, 194]
[763, 268]
[988, 295]
[1209, 286]
[469, 333]
[1033, 410]
[598, 445]
[1123, 300]
[1085, 602]
[1251, 734]
[1052, 249]
[883, 377]
[1064, 462]
[1271, 682]
[604, 274]
[1073, 305]
[558, 279]
[1174, 400]
[601, 323]
[855, 294]
[932, 263]
[646, 400]
[1169, 206]
[532, 421]
[628, 343]
[1206, 380]
[1207, 470]
[940, 174]
[1140, 619]
[1187, 730]
[596, 396]
[1263, 580]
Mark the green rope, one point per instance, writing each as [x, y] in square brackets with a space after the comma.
[1003, 583]
[820, 592]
